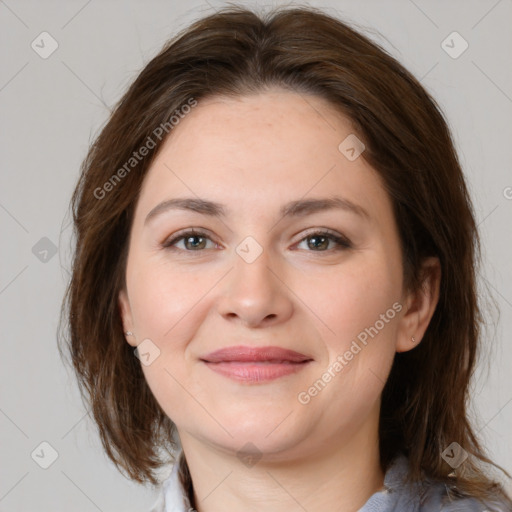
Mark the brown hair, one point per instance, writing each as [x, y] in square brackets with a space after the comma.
[235, 52]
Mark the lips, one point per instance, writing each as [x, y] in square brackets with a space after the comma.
[244, 354]
[252, 365]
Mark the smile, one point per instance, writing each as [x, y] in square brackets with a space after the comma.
[256, 371]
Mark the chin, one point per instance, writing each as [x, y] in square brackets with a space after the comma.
[270, 431]
[257, 443]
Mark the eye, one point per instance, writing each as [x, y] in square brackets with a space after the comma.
[319, 241]
[194, 240]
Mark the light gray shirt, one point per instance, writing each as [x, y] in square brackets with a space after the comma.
[397, 496]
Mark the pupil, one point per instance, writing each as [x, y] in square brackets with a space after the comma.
[318, 238]
[194, 238]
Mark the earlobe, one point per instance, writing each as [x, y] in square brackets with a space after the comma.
[126, 318]
[421, 305]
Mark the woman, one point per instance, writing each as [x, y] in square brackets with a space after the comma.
[275, 222]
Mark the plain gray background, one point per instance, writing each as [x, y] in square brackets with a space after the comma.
[53, 107]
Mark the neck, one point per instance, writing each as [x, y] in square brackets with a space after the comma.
[332, 477]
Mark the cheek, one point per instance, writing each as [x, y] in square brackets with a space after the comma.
[167, 388]
[354, 299]
[165, 302]
[358, 307]
[168, 307]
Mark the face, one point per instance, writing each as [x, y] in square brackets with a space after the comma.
[323, 282]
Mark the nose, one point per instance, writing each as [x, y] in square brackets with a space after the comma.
[255, 294]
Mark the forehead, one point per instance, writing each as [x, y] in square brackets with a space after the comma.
[259, 150]
[259, 125]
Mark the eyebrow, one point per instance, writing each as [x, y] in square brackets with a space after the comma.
[298, 208]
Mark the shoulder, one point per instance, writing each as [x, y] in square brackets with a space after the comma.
[439, 497]
[428, 495]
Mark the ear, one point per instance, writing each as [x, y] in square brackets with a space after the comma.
[126, 317]
[420, 306]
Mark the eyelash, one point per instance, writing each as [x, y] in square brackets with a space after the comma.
[342, 242]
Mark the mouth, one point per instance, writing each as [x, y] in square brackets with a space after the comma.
[256, 364]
